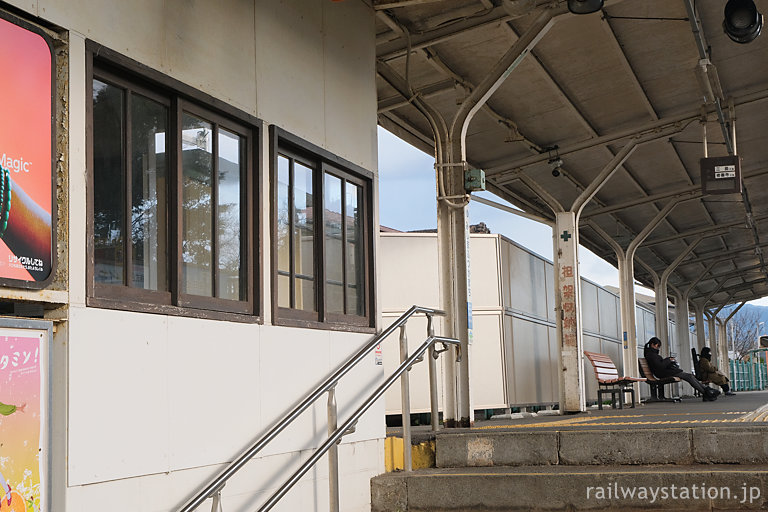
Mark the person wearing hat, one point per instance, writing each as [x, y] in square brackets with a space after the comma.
[667, 367]
[711, 373]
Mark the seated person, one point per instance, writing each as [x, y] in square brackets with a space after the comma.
[668, 367]
[711, 373]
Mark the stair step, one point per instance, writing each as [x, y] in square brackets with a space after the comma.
[701, 444]
[695, 487]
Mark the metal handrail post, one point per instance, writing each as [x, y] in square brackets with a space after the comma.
[333, 454]
[405, 398]
[432, 365]
[216, 501]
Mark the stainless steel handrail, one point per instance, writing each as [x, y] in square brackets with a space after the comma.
[404, 366]
[218, 482]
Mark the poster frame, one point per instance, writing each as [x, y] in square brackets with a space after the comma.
[46, 394]
[23, 283]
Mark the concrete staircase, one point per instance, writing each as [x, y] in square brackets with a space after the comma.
[700, 468]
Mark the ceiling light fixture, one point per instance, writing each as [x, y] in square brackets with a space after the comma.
[742, 22]
[584, 6]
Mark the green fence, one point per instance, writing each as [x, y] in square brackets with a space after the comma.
[749, 375]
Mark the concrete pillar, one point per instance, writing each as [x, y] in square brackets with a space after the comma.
[711, 331]
[722, 347]
[700, 329]
[681, 327]
[452, 220]
[567, 302]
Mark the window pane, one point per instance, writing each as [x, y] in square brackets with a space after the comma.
[334, 262]
[148, 194]
[283, 233]
[230, 214]
[108, 186]
[355, 251]
[303, 238]
[197, 188]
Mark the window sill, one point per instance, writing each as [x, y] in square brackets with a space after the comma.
[325, 326]
[164, 309]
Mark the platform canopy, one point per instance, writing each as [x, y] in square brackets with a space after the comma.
[663, 71]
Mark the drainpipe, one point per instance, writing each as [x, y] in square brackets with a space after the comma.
[440, 135]
[453, 223]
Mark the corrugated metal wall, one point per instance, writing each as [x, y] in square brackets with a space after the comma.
[514, 356]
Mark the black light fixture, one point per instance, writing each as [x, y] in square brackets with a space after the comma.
[742, 22]
[585, 6]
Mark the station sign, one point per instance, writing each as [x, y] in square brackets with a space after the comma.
[721, 175]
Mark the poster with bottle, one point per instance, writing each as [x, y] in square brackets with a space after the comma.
[23, 420]
[26, 154]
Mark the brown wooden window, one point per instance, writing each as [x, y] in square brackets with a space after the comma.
[171, 200]
[322, 234]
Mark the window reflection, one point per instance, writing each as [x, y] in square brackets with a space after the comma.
[355, 250]
[229, 222]
[334, 252]
[197, 189]
[108, 183]
[148, 194]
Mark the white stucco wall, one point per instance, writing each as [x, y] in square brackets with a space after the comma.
[156, 404]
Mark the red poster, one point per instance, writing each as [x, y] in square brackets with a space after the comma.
[26, 135]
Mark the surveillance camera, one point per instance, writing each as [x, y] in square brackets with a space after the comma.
[556, 172]
[556, 162]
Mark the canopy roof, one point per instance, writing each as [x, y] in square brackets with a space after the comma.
[592, 83]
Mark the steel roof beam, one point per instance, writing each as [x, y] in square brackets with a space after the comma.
[518, 166]
[427, 91]
[398, 48]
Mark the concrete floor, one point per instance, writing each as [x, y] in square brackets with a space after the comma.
[745, 406]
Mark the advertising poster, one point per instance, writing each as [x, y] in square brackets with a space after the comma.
[26, 138]
[22, 421]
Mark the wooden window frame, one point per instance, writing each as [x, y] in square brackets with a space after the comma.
[111, 67]
[322, 162]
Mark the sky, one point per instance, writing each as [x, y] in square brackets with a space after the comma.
[407, 176]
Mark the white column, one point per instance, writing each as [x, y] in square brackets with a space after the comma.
[681, 326]
[568, 304]
[700, 335]
[628, 315]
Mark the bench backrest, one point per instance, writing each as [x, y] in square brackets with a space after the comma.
[696, 367]
[645, 370]
[604, 368]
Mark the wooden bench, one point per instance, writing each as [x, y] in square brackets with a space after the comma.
[656, 384]
[608, 380]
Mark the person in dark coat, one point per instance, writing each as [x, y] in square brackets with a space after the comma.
[668, 367]
[710, 372]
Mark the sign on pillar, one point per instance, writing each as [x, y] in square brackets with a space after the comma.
[569, 314]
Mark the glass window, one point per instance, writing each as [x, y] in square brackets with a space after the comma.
[171, 213]
[108, 183]
[149, 206]
[118, 111]
[354, 250]
[229, 216]
[197, 206]
[321, 264]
